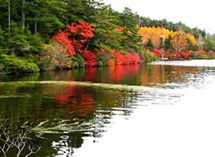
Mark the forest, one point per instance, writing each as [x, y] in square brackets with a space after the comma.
[39, 35]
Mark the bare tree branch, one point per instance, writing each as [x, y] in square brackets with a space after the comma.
[10, 141]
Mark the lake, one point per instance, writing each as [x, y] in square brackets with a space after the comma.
[161, 109]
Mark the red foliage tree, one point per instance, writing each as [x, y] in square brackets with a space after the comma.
[83, 29]
[62, 37]
[121, 59]
[133, 59]
[157, 53]
[126, 59]
[185, 55]
[75, 37]
[89, 57]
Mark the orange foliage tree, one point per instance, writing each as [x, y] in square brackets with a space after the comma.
[179, 42]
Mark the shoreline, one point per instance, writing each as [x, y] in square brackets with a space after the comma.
[42, 71]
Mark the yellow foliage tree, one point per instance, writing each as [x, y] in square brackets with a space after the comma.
[158, 35]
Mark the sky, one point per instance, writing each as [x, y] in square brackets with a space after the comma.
[193, 13]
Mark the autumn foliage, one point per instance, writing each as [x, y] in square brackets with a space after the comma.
[76, 39]
[157, 53]
[165, 43]
[126, 59]
[89, 57]
[158, 35]
[169, 44]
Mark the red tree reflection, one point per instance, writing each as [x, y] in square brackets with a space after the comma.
[90, 74]
[76, 100]
[121, 72]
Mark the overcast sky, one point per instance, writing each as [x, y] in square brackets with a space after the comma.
[193, 13]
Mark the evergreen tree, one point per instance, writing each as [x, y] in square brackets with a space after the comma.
[167, 44]
[149, 45]
[132, 39]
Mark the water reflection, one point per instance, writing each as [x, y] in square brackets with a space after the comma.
[63, 108]
[79, 101]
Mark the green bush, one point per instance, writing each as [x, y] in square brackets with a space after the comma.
[13, 64]
[150, 57]
[195, 55]
[203, 57]
[100, 64]
[78, 61]
[104, 56]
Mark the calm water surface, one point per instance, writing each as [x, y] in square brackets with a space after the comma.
[162, 109]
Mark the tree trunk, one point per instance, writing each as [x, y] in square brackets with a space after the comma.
[35, 27]
[163, 38]
[23, 14]
[9, 18]
[87, 45]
